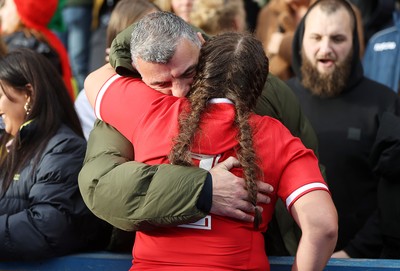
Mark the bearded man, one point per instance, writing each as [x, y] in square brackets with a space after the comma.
[344, 108]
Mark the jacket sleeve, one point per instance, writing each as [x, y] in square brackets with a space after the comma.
[385, 156]
[135, 196]
[120, 55]
[46, 227]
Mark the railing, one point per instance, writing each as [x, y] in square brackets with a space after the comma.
[285, 263]
[105, 261]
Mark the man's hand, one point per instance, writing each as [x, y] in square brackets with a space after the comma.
[230, 197]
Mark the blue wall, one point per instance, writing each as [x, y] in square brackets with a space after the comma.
[105, 261]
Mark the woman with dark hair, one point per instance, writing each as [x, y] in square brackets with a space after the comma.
[41, 210]
[218, 122]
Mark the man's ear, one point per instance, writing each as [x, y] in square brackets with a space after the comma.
[200, 36]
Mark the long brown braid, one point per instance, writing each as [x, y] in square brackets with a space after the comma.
[232, 66]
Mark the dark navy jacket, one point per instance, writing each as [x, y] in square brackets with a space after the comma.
[42, 213]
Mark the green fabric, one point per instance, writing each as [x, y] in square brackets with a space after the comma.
[131, 195]
[57, 23]
[79, 2]
[120, 55]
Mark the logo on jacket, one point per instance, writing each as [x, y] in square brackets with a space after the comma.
[384, 46]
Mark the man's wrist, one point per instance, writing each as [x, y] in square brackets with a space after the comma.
[204, 202]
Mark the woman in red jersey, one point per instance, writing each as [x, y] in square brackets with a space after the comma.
[216, 122]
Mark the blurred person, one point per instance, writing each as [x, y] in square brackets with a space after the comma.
[386, 157]
[150, 115]
[218, 16]
[252, 9]
[375, 14]
[24, 24]
[182, 8]
[345, 109]
[77, 19]
[383, 50]
[276, 24]
[42, 213]
[101, 16]
[124, 14]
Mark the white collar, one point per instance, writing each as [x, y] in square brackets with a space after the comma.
[220, 101]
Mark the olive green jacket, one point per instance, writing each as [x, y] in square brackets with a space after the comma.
[131, 195]
[135, 196]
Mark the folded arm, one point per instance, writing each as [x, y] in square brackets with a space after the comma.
[132, 195]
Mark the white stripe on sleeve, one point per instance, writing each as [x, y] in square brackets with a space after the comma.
[295, 194]
[100, 95]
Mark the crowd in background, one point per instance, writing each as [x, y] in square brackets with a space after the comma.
[42, 99]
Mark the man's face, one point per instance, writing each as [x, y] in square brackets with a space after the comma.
[175, 77]
[327, 39]
[325, 84]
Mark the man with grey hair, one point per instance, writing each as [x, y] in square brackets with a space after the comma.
[192, 192]
[167, 66]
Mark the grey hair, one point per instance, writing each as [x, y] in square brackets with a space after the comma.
[156, 36]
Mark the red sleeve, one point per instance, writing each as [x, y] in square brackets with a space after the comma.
[122, 101]
[293, 165]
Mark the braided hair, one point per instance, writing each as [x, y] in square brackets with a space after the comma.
[241, 80]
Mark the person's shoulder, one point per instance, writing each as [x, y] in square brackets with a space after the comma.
[384, 42]
[63, 154]
[66, 139]
[370, 90]
[373, 86]
[276, 87]
[385, 34]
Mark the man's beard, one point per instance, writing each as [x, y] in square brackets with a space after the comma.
[325, 85]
